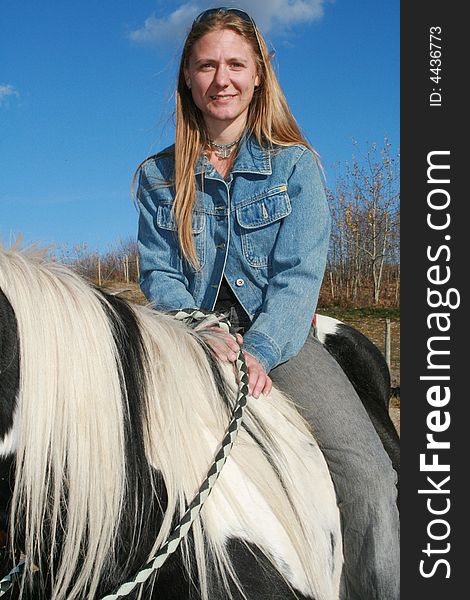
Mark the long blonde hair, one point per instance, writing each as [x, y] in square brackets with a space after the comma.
[270, 120]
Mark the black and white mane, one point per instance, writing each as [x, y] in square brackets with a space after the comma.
[111, 414]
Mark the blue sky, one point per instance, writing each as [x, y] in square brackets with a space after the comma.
[86, 93]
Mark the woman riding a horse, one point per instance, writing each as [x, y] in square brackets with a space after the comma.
[233, 217]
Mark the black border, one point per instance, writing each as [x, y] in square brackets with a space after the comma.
[426, 128]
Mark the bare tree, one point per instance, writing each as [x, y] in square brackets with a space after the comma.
[118, 263]
[365, 215]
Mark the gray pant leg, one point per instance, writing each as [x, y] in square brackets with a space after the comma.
[361, 470]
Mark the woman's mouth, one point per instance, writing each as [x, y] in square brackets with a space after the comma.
[222, 97]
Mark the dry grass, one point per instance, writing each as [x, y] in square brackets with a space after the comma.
[128, 291]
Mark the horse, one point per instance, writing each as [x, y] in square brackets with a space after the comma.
[110, 416]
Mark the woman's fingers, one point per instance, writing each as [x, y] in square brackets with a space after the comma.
[232, 342]
[268, 386]
[218, 348]
[258, 386]
[258, 381]
[223, 345]
[235, 338]
[262, 386]
[226, 348]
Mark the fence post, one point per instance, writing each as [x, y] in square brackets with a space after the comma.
[126, 268]
[387, 343]
[137, 262]
[99, 270]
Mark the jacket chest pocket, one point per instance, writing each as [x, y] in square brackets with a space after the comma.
[259, 224]
[166, 226]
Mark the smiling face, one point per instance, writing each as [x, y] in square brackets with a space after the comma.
[222, 75]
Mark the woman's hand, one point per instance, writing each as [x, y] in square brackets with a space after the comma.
[259, 381]
[223, 345]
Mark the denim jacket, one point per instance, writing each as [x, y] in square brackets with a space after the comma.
[265, 227]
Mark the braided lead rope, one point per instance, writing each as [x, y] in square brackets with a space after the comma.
[192, 318]
[198, 319]
[9, 580]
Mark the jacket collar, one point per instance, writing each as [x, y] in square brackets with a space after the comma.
[251, 158]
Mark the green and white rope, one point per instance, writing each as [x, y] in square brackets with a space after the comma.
[13, 576]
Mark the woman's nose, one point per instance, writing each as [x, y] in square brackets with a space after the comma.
[221, 77]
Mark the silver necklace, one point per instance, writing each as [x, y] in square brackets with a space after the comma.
[224, 150]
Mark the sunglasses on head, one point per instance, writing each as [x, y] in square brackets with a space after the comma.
[210, 12]
[207, 14]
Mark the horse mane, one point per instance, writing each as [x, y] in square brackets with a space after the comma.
[119, 405]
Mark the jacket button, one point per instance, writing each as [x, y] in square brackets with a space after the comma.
[240, 282]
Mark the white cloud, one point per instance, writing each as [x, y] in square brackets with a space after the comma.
[166, 29]
[279, 15]
[273, 16]
[5, 91]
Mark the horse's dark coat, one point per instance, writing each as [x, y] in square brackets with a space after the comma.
[9, 364]
[136, 537]
[257, 577]
[9, 384]
[368, 372]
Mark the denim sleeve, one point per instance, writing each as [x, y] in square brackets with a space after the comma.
[162, 279]
[298, 265]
